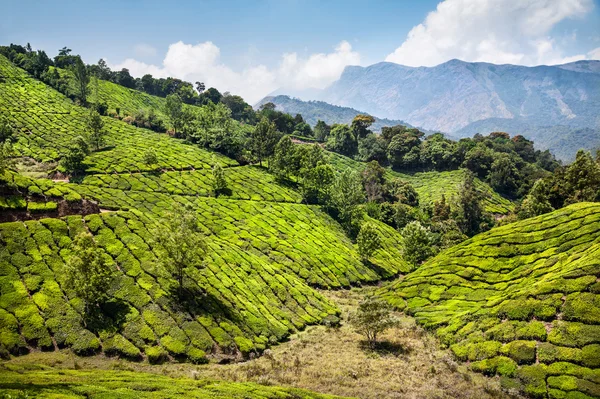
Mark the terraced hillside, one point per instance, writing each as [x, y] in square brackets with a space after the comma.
[47, 122]
[521, 301]
[48, 382]
[431, 185]
[266, 250]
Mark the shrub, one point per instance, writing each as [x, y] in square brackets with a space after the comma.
[156, 354]
[373, 318]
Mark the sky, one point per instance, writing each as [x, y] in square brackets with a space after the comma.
[253, 48]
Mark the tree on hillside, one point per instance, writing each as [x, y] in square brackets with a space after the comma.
[342, 141]
[416, 243]
[96, 130]
[90, 271]
[403, 192]
[470, 214]
[174, 111]
[404, 150]
[346, 194]
[6, 130]
[373, 148]
[6, 154]
[72, 161]
[360, 125]
[219, 183]
[321, 131]
[316, 184]
[504, 176]
[150, 157]
[283, 157]
[180, 238]
[263, 140]
[373, 317]
[373, 177]
[368, 240]
[583, 178]
[536, 202]
[81, 80]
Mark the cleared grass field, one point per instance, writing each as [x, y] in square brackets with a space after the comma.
[521, 301]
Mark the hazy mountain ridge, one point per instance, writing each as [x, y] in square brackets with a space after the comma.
[312, 111]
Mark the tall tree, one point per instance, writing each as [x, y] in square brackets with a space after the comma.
[368, 240]
[96, 130]
[321, 131]
[174, 111]
[263, 140]
[283, 158]
[90, 271]
[180, 238]
[470, 212]
[361, 124]
[373, 177]
[81, 79]
[219, 183]
[342, 141]
[373, 317]
[346, 194]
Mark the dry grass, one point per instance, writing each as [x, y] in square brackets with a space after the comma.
[409, 364]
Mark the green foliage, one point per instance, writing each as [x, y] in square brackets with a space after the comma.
[516, 296]
[219, 183]
[416, 243]
[373, 318]
[81, 80]
[174, 111]
[150, 157]
[90, 271]
[346, 193]
[263, 140]
[180, 237]
[368, 240]
[342, 140]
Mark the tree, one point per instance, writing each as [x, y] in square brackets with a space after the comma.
[373, 148]
[373, 317]
[479, 160]
[404, 150]
[361, 124]
[441, 210]
[263, 140]
[321, 131]
[283, 157]
[583, 178]
[416, 243]
[200, 87]
[373, 177]
[6, 130]
[174, 111]
[346, 193]
[470, 214]
[536, 202]
[504, 176]
[180, 238]
[72, 161]
[150, 157]
[316, 184]
[368, 240]
[125, 79]
[219, 184]
[96, 130]
[342, 141]
[6, 154]
[403, 192]
[90, 271]
[81, 79]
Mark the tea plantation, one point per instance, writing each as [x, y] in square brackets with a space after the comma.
[48, 382]
[521, 301]
[432, 185]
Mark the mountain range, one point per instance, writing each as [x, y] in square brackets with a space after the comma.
[557, 106]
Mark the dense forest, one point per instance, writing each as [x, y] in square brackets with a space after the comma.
[157, 221]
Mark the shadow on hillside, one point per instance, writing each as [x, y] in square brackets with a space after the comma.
[109, 316]
[377, 269]
[385, 348]
[198, 302]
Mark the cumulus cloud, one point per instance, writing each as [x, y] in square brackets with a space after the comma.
[498, 31]
[201, 62]
[144, 50]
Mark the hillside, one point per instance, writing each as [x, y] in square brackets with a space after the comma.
[313, 111]
[453, 95]
[521, 301]
[257, 287]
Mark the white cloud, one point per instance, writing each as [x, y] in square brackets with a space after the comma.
[498, 31]
[594, 54]
[202, 62]
[144, 50]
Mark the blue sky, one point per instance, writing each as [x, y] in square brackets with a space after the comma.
[253, 47]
